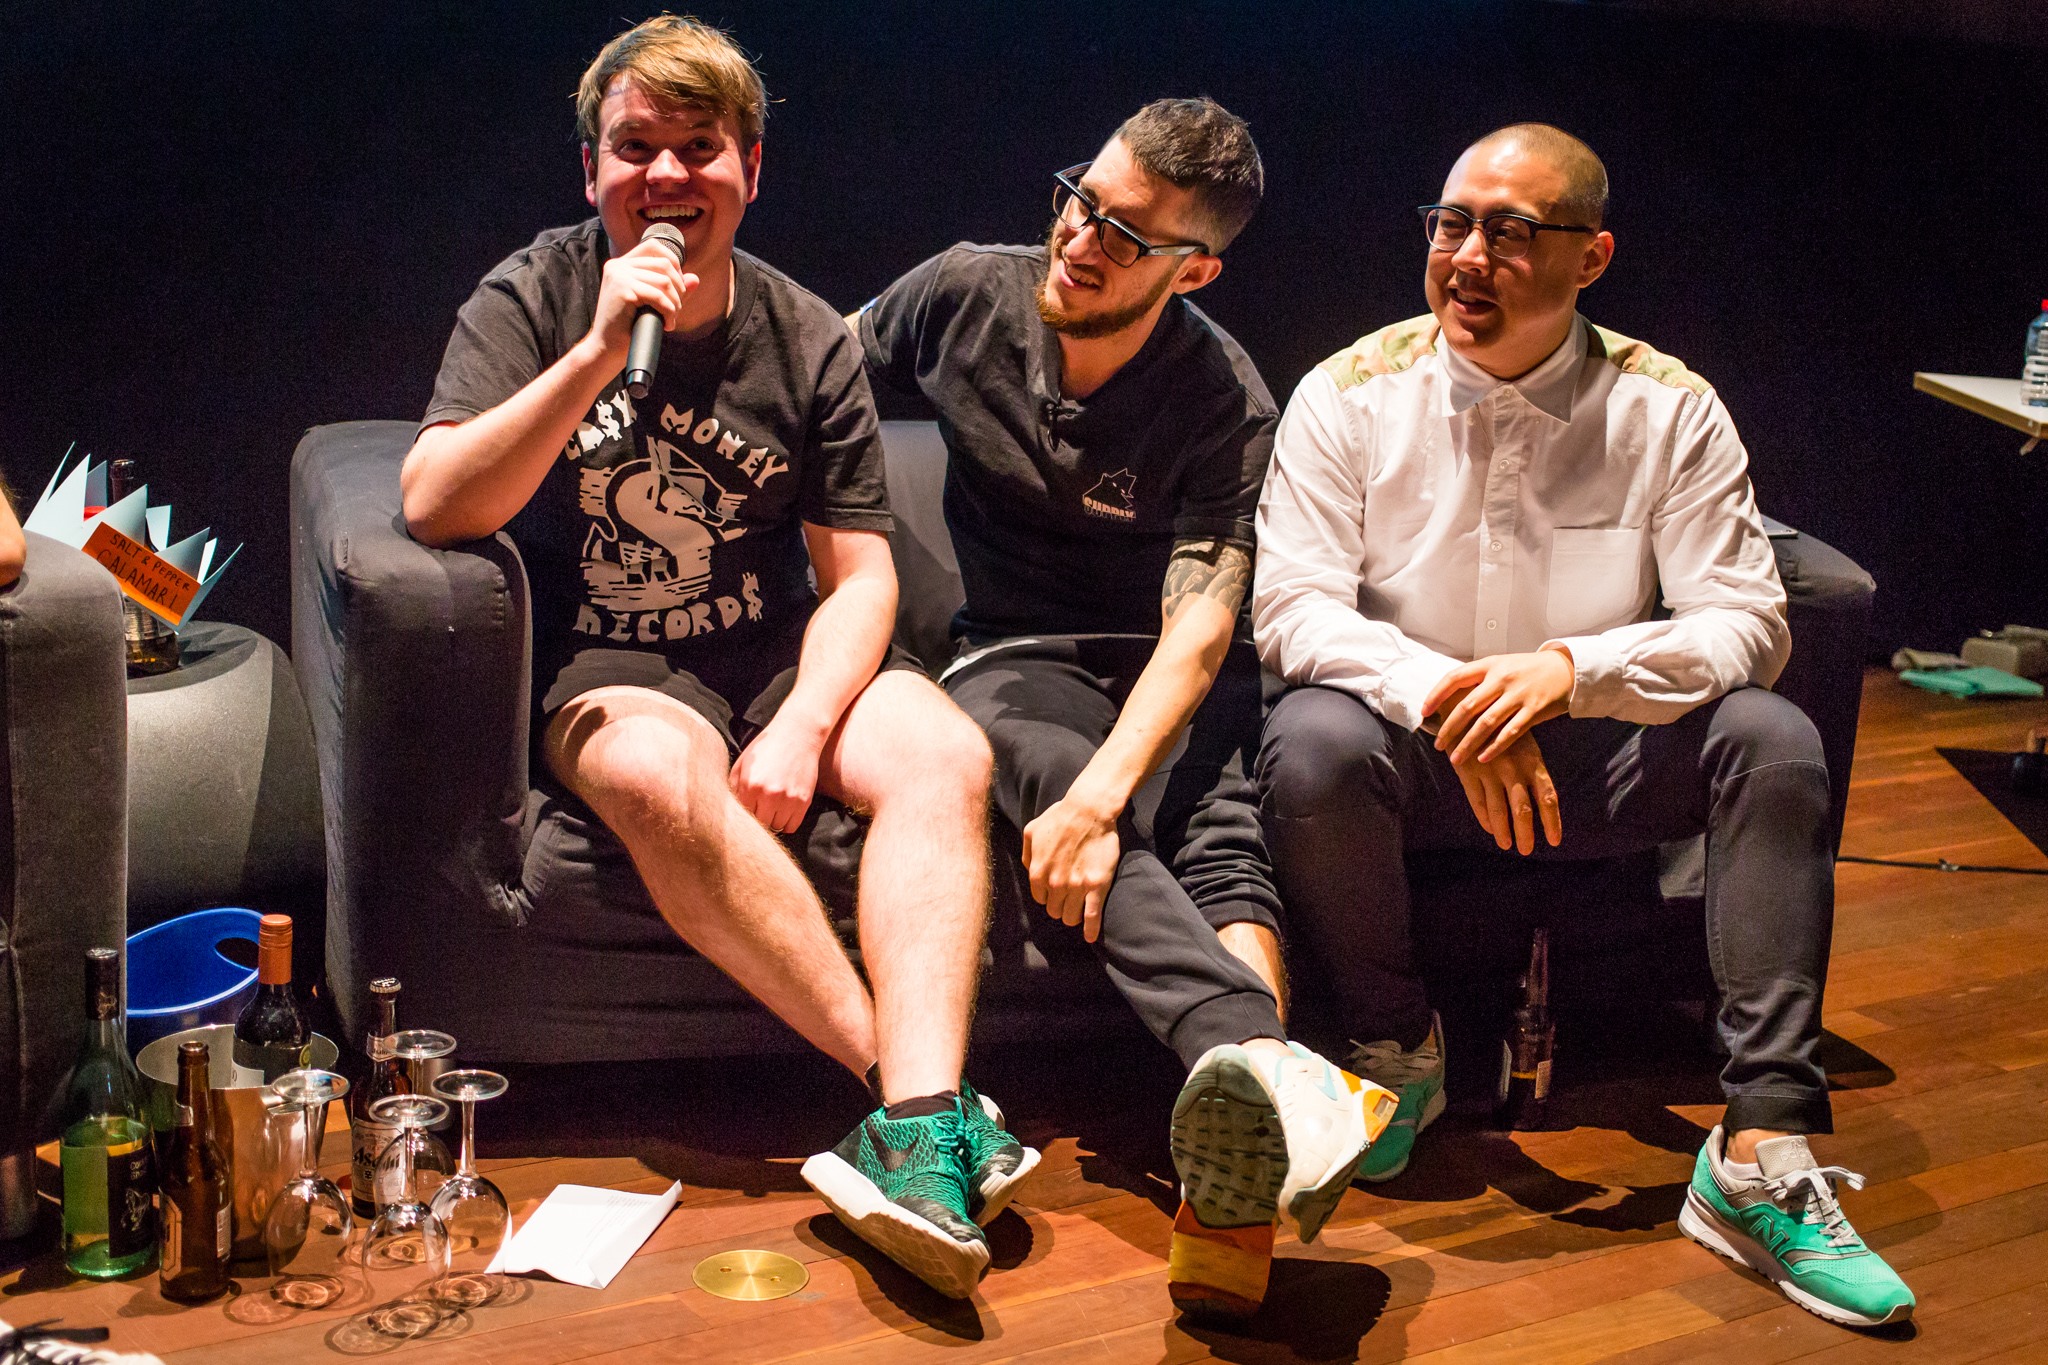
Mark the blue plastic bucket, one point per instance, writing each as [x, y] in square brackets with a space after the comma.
[178, 978]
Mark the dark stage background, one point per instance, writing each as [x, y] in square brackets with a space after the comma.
[227, 223]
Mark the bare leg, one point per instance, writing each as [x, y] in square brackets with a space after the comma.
[655, 772]
[1258, 948]
[908, 758]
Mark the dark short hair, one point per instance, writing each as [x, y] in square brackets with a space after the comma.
[1584, 201]
[1199, 145]
[679, 62]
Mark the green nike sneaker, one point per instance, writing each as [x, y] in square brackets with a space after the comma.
[901, 1185]
[996, 1162]
[1418, 1078]
[1787, 1227]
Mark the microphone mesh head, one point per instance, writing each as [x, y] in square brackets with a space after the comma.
[666, 234]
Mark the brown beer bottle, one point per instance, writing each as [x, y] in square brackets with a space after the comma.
[367, 1135]
[1526, 1053]
[152, 645]
[196, 1224]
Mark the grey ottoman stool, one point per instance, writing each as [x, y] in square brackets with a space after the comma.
[223, 789]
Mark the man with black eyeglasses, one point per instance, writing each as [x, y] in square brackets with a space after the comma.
[1468, 524]
[1106, 443]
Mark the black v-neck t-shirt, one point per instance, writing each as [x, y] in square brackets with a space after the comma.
[1063, 513]
[673, 524]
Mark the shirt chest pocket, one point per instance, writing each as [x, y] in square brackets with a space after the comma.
[1597, 579]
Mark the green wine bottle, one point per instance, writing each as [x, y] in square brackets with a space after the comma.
[109, 1178]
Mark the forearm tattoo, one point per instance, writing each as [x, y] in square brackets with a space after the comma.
[1207, 568]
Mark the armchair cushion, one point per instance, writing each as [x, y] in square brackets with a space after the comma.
[63, 807]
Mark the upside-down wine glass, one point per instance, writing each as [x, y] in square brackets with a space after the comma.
[470, 1207]
[307, 1231]
[417, 1047]
[407, 1247]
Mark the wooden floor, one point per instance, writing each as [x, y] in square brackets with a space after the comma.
[1550, 1247]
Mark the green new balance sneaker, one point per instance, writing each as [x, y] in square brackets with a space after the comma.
[1418, 1078]
[996, 1162]
[901, 1185]
[1787, 1227]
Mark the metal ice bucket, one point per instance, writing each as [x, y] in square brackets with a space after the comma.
[259, 1136]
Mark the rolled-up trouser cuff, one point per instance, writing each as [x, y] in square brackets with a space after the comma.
[1232, 1018]
[1783, 1113]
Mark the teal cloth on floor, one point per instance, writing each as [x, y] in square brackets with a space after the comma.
[1972, 682]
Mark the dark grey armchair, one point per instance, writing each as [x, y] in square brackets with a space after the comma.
[63, 834]
[414, 664]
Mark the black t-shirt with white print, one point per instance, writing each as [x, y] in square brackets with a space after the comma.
[672, 524]
[1064, 513]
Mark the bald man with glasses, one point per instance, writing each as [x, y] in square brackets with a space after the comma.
[1469, 522]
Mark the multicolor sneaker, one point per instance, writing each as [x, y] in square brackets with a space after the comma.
[1788, 1228]
[1255, 1136]
[901, 1185]
[1417, 1076]
[1230, 1152]
[1330, 1117]
[996, 1162]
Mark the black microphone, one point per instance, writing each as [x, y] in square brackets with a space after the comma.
[645, 351]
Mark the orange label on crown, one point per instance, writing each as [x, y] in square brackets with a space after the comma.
[143, 574]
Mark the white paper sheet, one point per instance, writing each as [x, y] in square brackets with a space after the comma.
[584, 1235]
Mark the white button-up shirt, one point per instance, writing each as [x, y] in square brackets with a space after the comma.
[1420, 513]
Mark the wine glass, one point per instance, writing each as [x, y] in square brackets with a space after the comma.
[419, 1046]
[309, 1222]
[470, 1207]
[422, 1050]
[407, 1247]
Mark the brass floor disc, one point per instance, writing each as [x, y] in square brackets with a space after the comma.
[750, 1275]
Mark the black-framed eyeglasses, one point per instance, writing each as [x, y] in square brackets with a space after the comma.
[1072, 206]
[1508, 235]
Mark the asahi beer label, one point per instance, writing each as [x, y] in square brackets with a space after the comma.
[223, 1230]
[368, 1141]
[1543, 1079]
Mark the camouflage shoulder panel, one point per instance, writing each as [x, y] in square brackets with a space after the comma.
[1390, 350]
[1637, 357]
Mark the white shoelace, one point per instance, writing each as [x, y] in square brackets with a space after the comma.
[1384, 1063]
[1811, 1187]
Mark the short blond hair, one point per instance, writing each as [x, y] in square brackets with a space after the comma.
[679, 62]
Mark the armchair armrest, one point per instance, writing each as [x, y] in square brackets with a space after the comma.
[415, 667]
[63, 816]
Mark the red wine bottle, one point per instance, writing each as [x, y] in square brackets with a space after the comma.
[272, 1034]
[196, 1226]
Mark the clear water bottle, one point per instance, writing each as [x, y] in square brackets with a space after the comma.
[2034, 378]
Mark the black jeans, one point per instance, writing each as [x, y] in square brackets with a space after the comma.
[1193, 858]
[1344, 793]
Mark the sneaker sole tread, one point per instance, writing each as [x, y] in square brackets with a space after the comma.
[1228, 1148]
